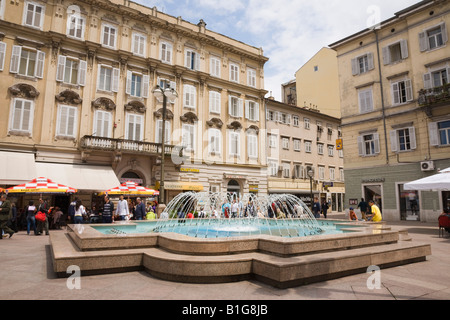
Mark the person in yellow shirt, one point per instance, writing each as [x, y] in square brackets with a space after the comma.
[375, 212]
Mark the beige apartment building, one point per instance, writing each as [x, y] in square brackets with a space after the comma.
[76, 86]
[300, 140]
[396, 110]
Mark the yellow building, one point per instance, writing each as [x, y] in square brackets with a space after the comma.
[76, 87]
[396, 109]
[317, 83]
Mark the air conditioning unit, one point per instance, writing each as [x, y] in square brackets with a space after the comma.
[427, 166]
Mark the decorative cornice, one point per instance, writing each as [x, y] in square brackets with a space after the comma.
[235, 125]
[215, 122]
[69, 97]
[189, 117]
[169, 114]
[135, 106]
[23, 90]
[104, 103]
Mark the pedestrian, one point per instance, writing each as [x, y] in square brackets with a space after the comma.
[375, 215]
[122, 211]
[364, 207]
[71, 210]
[325, 208]
[316, 208]
[31, 219]
[352, 215]
[43, 225]
[5, 212]
[80, 212]
[140, 210]
[108, 209]
[234, 209]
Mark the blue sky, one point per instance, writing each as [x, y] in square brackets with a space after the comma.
[289, 31]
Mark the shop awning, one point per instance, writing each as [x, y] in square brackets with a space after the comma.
[81, 177]
[16, 167]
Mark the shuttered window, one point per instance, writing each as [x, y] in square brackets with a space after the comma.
[67, 121]
[22, 116]
[102, 124]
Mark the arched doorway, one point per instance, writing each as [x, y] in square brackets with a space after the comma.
[132, 176]
[234, 189]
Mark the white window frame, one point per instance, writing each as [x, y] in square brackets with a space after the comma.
[396, 143]
[308, 146]
[131, 118]
[61, 71]
[286, 169]
[273, 168]
[13, 114]
[373, 145]
[114, 80]
[16, 61]
[387, 52]
[321, 173]
[235, 106]
[2, 9]
[214, 102]
[320, 148]
[167, 134]
[251, 110]
[424, 37]
[41, 18]
[67, 117]
[234, 143]
[2, 53]
[297, 144]
[307, 123]
[214, 141]
[105, 118]
[234, 72]
[251, 77]
[166, 52]
[189, 96]
[368, 64]
[188, 137]
[192, 59]
[78, 25]
[139, 44]
[215, 66]
[110, 27]
[365, 99]
[402, 92]
[131, 88]
[252, 146]
[295, 121]
[331, 151]
[272, 139]
[332, 172]
[341, 174]
[285, 143]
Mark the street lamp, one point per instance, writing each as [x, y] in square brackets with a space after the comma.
[168, 93]
[310, 175]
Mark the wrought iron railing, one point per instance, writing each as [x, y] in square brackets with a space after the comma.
[434, 96]
[127, 146]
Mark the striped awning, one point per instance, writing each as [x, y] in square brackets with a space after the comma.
[130, 188]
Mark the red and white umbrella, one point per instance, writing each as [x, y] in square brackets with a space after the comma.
[130, 188]
[41, 185]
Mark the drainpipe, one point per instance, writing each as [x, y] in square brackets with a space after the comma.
[382, 96]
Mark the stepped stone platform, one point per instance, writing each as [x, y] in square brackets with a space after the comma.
[280, 262]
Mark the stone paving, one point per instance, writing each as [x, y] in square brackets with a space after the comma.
[26, 273]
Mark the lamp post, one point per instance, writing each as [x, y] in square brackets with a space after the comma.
[311, 175]
[168, 93]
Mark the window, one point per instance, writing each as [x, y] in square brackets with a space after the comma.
[189, 96]
[369, 144]
[215, 141]
[402, 92]
[320, 148]
[330, 151]
[252, 110]
[138, 44]
[167, 132]
[365, 100]
[27, 62]
[273, 168]
[192, 60]
[234, 72]
[298, 171]
[341, 174]
[234, 143]
[33, 15]
[166, 52]
[75, 26]
[321, 173]
[134, 127]
[214, 67]
[332, 174]
[306, 123]
[2, 8]
[188, 137]
[66, 125]
[403, 139]
[439, 133]
[108, 78]
[251, 77]
[395, 52]
[296, 121]
[285, 143]
[316, 68]
[286, 169]
[272, 141]
[235, 106]
[21, 120]
[214, 102]
[71, 70]
[137, 85]
[433, 38]
[362, 64]
[2, 54]
[296, 145]
[102, 124]
[252, 146]
[308, 145]
[109, 36]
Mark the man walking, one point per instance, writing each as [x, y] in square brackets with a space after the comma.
[140, 209]
[316, 208]
[108, 209]
[5, 210]
[122, 209]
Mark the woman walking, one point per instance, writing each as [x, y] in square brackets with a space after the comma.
[79, 212]
[31, 220]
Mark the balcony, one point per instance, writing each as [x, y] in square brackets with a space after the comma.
[435, 97]
[127, 146]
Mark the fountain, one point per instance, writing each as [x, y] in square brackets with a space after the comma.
[276, 215]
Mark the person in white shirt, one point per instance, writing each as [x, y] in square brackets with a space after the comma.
[122, 209]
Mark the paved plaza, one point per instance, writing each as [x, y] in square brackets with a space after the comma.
[26, 273]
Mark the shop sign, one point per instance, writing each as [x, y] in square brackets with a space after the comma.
[190, 170]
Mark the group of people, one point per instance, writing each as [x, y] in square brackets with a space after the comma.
[369, 211]
[124, 211]
[318, 209]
